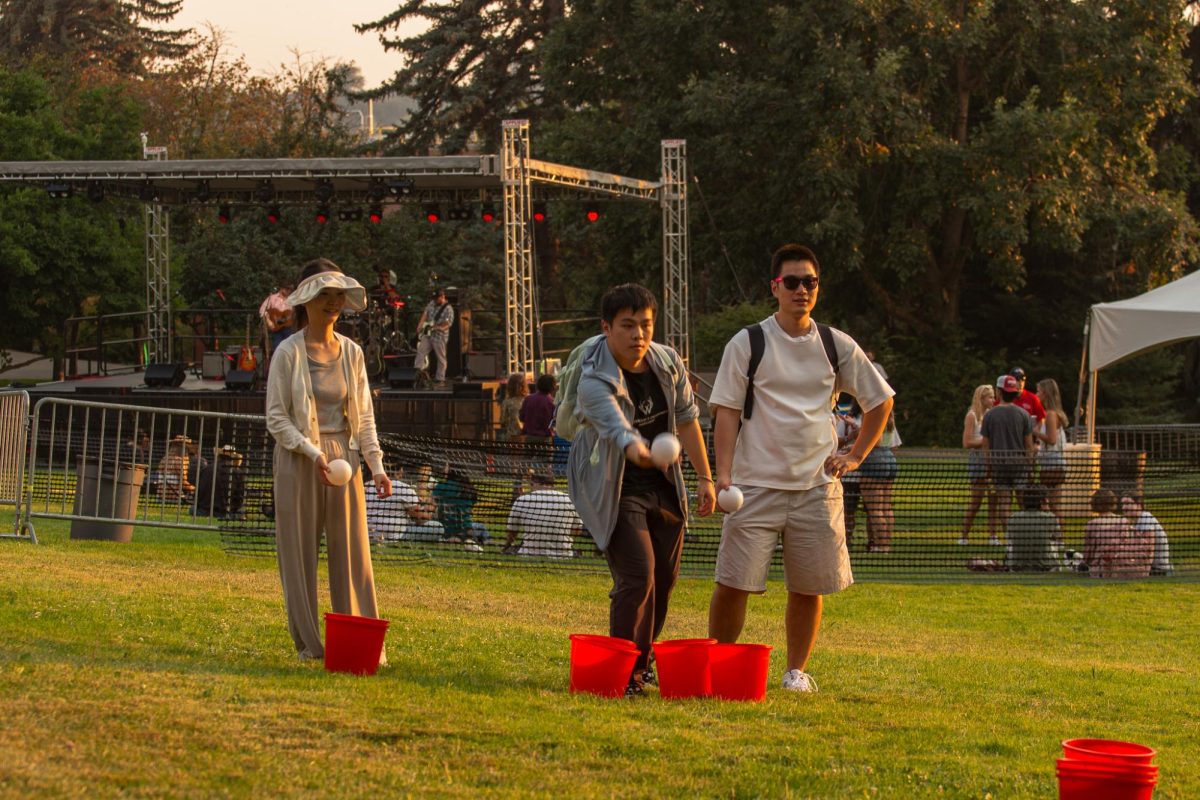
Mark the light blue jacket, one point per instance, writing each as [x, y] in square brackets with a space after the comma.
[597, 462]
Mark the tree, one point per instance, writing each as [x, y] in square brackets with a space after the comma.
[61, 258]
[71, 34]
[477, 64]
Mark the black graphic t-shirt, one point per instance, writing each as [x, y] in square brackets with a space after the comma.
[650, 419]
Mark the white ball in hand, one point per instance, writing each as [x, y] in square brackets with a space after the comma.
[664, 450]
[730, 499]
[339, 472]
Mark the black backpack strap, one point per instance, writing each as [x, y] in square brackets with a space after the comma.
[830, 349]
[758, 345]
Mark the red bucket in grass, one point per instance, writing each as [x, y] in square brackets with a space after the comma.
[601, 664]
[682, 667]
[1092, 780]
[1108, 751]
[739, 671]
[353, 644]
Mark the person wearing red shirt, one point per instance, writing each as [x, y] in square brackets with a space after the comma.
[1027, 399]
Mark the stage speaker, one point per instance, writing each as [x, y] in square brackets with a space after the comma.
[164, 375]
[241, 380]
[213, 365]
[483, 365]
[401, 377]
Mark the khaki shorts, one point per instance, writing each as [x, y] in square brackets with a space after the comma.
[815, 560]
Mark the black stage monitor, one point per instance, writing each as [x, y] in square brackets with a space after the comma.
[401, 377]
[241, 380]
[164, 375]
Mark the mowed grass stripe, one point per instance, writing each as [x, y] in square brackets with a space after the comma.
[164, 668]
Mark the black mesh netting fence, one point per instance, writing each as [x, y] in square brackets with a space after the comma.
[1113, 513]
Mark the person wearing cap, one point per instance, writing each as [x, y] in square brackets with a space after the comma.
[1027, 399]
[221, 487]
[1007, 442]
[319, 408]
[433, 329]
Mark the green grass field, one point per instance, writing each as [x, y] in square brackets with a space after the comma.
[164, 668]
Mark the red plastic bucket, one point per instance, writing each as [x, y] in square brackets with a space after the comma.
[601, 664]
[1109, 751]
[739, 671]
[353, 644]
[1083, 780]
[682, 666]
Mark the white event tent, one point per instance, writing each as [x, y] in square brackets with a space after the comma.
[1120, 330]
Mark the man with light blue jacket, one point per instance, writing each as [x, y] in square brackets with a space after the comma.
[630, 390]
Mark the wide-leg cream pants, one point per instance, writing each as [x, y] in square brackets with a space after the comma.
[304, 509]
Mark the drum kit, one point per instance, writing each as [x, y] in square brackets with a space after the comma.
[379, 330]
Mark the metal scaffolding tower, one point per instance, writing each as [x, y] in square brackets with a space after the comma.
[158, 268]
[676, 256]
[518, 250]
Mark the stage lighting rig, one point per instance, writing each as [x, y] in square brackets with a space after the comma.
[488, 212]
[539, 212]
[274, 214]
[375, 215]
[377, 191]
[460, 213]
[323, 191]
[203, 193]
[349, 214]
[433, 212]
[401, 187]
[592, 214]
[265, 192]
[322, 214]
[224, 214]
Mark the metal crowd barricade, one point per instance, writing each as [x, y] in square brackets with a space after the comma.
[92, 462]
[14, 429]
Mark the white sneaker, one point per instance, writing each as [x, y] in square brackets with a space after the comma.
[796, 681]
[471, 547]
[963, 541]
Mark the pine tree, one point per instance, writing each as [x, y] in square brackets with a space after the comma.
[477, 64]
[67, 34]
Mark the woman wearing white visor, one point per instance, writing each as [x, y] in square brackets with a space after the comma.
[319, 409]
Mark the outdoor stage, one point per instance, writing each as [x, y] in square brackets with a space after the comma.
[463, 410]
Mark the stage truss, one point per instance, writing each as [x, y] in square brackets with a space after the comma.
[512, 175]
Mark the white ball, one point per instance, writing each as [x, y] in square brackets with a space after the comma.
[664, 450]
[339, 472]
[730, 499]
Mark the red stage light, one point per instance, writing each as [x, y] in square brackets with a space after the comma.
[273, 214]
[224, 214]
[593, 215]
[375, 214]
[488, 213]
[433, 213]
[322, 215]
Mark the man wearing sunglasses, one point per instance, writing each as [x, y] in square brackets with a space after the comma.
[783, 456]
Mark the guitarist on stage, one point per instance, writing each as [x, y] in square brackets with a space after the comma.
[277, 315]
[433, 331]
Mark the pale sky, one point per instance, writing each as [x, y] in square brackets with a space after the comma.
[265, 31]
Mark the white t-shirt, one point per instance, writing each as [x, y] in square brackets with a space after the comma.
[387, 517]
[548, 521]
[1151, 528]
[790, 433]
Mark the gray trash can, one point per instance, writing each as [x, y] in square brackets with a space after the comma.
[106, 490]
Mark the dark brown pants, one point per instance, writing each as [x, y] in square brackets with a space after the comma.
[643, 557]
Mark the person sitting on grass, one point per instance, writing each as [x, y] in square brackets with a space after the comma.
[1145, 526]
[1111, 548]
[545, 519]
[455, 497]
[1033, 535]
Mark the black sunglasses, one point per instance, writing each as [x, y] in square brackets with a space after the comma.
[793, 282]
